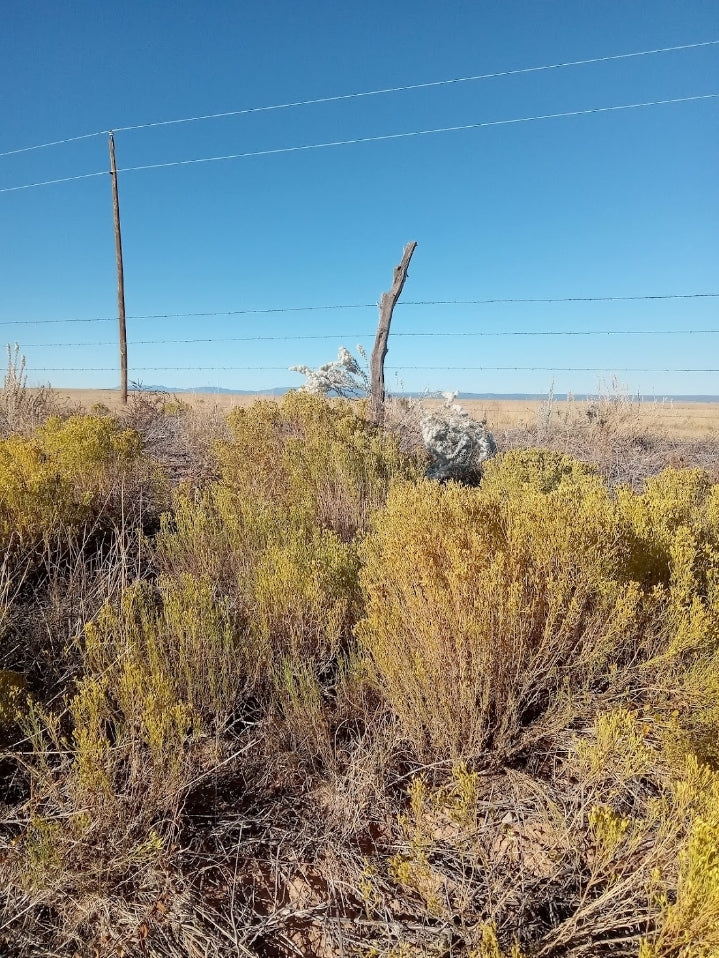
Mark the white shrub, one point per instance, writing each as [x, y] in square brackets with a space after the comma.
[457, 443]
[342, 377]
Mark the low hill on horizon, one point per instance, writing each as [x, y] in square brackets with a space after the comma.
[281, 390]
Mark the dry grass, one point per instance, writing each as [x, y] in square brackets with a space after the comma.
[324, 707]
[669, 419]
[203, 402]
[625, 439]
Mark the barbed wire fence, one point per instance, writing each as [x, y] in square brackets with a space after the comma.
[114, 172]
[353, 335]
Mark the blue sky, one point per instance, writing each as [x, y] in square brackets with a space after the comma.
[613, 204]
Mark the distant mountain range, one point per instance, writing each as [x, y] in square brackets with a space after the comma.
[281, 390]
[275, 391]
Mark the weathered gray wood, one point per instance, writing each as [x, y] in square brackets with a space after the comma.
[120, 273]
[386, 307]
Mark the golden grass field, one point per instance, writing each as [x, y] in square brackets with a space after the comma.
[691, 420]
[685, 420]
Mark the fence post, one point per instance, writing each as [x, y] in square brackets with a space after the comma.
[386, 306]
[120, 273]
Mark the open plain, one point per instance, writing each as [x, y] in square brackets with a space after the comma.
[662, 417]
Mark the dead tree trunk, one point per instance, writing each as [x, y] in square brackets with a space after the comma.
[386, 307]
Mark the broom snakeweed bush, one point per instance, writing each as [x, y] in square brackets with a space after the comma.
[339, 709]
[67, 474]
[486, 606]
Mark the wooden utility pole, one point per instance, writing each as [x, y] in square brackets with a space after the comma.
[386, 307]
[120, 273]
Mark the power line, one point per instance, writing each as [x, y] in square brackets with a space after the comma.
[415, 133]
[369, 333]
[414, 86]
[43, 146]
[374, 139]
[54, 322]
[292, 104]
[334, 306]
[264, 310]
[220, 339]
[61, 179]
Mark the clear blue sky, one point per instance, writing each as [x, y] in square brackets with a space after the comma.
[614, 204]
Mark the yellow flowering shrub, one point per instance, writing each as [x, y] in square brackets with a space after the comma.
[675, 525]
[315, 627]
[62, 476]
[541, 469]
[116, 781]
[292, 585]
[621, 839]
[319, 458]
[132, 715]
[654, 825]
[485, 606]
[12, 687]
[179, 639]
[82, 446]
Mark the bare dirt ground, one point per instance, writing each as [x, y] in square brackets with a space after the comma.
[685, 420]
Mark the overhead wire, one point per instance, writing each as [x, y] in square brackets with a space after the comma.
[292, 104]
[416, 86]
[384, 137]
[49, 143]
[556, 299]
[274, 151]
[60, 179]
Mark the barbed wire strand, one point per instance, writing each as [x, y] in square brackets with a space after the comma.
[292, 104]
[368, 334]
[563, 369]
[335, 306]
[556, 369]
[275, 151]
